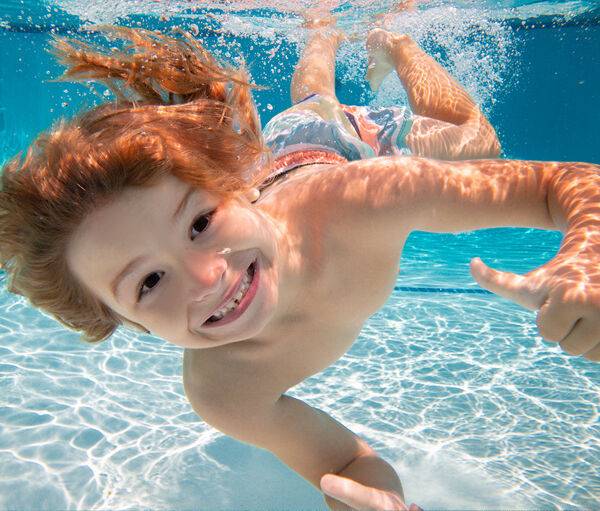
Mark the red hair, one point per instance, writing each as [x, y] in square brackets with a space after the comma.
[177, 112]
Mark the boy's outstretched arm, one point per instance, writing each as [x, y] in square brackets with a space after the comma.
[309, 441]
[389, 197]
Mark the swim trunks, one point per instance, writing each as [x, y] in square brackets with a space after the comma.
[353, 132]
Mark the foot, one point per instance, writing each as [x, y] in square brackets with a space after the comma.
[380, 44]
[386, 50]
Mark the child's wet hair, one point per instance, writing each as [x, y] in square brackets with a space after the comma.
[178, 112]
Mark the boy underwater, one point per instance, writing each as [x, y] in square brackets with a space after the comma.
[164, 213]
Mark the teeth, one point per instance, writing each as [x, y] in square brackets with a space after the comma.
[234, 302]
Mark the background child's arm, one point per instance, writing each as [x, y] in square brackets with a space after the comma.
[384, 198]
[307, 440]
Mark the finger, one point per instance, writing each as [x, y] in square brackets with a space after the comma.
[358, 496]
[582, 338]
[556, 320]
[414, 507]
[512, 286]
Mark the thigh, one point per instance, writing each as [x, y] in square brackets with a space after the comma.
[438, 139]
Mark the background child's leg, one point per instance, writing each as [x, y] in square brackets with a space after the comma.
[464, 132]
[315, 71]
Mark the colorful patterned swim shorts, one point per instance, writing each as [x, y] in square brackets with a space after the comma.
[355, 132]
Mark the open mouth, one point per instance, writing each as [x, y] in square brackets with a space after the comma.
[240, 301]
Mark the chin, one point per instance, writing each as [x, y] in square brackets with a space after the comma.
[254, 328]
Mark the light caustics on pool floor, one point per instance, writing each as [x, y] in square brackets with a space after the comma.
[456, 389]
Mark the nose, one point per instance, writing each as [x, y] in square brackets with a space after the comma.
[203, 273]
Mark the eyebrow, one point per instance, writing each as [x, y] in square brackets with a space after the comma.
[114, 287]
[183, 203]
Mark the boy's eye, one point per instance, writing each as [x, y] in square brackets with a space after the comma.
[149, 283]
[200, 224]
[151, 280]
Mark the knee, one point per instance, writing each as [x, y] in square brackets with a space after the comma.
[493, 143]
[487, 139]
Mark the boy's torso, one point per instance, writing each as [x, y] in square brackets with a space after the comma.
[349, 272]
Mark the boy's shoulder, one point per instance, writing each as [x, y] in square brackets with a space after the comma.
[344, 182]
[316, 187]
[213, 379]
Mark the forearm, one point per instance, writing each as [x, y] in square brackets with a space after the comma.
[573, 196]
[573, 200]
[565, 290]
[369, 470]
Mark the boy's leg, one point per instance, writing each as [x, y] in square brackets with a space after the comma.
[434, 95]
[315, 71]
[431, 90]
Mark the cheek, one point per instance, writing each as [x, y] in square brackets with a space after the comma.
[249, 230]
[164, 316]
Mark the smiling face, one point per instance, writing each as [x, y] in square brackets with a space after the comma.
[192, 268]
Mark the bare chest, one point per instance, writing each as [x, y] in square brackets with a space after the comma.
[336, 303]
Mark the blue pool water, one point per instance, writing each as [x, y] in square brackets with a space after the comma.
[452, 385]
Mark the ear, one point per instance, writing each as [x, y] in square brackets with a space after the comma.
[252, 194]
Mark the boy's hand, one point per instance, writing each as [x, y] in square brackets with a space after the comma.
[566, 291]
[361, 497]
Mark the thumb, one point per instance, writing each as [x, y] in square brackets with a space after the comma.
[511, 286]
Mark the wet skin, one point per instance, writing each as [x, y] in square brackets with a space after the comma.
[328, 241]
